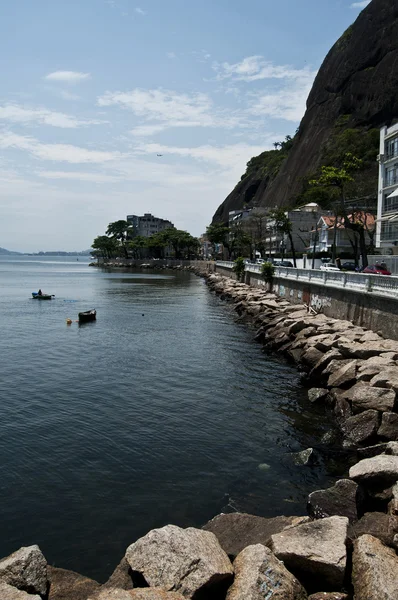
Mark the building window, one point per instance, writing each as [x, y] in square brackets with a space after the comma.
[390, 204]
[389, 231]
[391, 175]
[391, 148]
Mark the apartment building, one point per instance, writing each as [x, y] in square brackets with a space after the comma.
[148, 225]
[387, 204]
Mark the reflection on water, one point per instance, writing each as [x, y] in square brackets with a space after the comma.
[161, 411]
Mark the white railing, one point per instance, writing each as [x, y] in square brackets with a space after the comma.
[383, 285]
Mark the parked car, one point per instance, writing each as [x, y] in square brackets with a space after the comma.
[377, 269]
[260, 261]
[349, 266]
[329, 267]
[283, 263]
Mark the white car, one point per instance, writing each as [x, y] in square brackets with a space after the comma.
[260, 261]
[329, 267]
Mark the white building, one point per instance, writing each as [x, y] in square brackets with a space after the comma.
[387, 203]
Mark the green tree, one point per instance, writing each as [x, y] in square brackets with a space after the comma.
[239, 268]
[137, 244]
[120, 231]
[284, 226]
[337, 179]
[107, 247]
[218, 233]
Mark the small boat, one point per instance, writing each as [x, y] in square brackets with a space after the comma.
[37, 296]
[89, 315]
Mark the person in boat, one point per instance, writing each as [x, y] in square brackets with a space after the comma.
[40, 293]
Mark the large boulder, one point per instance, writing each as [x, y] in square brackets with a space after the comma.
[379, 525]
[342, 499]
[235, 531]
[379, 470]
[259, 574]
[121, 577]
[387, 378]
[372, 398]
[25, 569]
[113, 593]
[9, 592]
[329, 596]
[343, 376]
[374, 570]
[315, 552]
[316, 394]
[361, 428]
[311, 357]
[389, 426]
[182, 560]
[67, 585]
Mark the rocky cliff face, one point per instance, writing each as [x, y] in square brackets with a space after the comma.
[358, 80]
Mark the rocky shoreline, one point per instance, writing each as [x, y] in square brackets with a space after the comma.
[344, 549]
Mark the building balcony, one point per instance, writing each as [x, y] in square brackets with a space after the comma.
[393, 180]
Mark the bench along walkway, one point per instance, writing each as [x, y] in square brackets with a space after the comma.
[382, 285]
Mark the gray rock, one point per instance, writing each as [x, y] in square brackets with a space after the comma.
[154, 594]
[379, 525]
[259, 574]
[316, 394]
[324, 360]
[374, 571]
[389, 426]
[335, 365]
[121, 577]
[304, 457]
[25, 569]
[370, 451]
[366, 397]
[311, 357]
[68, 585]
[181, 560]
[387, 378]
[342, 409]
[393, 505]
[392, 448]
[315, 552]
[379, 470]
[342, 499]
[356, 350]
[329, 596]
[361, 428]
[236, 531]
[376, 362]
[9, 592]
[343, 376]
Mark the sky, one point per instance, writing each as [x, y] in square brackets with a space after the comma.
[92, 91]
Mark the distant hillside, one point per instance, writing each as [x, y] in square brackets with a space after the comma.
[356, 89]
[4, 251]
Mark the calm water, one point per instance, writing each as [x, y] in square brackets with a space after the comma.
[160, 412]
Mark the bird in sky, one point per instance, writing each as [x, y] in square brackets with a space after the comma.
[159, 155]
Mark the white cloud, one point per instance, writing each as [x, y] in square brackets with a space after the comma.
[360, 4]
[67, 76]
[168, 109]
[255, 68]
[139, 11]
[55, 152]
[287, 103]
[19, 114]
[171, 55]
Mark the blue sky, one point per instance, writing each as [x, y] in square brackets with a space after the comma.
[93, 90]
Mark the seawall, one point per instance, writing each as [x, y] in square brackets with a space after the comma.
[371, 310]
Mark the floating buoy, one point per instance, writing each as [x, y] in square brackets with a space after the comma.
[69, 321]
